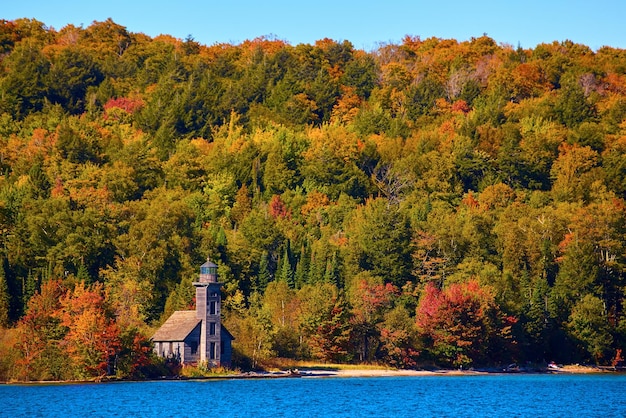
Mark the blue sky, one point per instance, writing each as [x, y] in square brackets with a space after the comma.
[364, 23]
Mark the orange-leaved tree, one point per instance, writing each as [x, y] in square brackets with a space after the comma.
[92, 340]
[39, 334]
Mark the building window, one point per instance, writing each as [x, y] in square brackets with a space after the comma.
[213, 294]
[194, 347]
[212, 307]
[211, 328]
[212, 351]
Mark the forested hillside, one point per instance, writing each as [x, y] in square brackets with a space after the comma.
[435, 201]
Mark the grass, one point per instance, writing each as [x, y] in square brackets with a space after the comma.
[201, 370]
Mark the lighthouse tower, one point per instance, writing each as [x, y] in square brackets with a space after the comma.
[208, 307]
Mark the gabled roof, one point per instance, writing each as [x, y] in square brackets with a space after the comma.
[226, 333]
[177, 327]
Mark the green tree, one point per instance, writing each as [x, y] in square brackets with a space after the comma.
[573, 173]
[362, 74]
[264, 276]
[589, 325]
[71, 74]
[254, 331]
[379, 239]
[572, 106]
[24, 86]
[285, 271]
[5, 297]
[301, 275]
[539, 323]
[398, 337]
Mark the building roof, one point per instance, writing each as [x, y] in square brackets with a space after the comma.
[177, 327]
[226, 333]
[209, 263]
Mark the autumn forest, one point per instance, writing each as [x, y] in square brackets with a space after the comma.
[430, 202]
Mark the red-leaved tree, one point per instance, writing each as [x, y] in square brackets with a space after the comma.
[369, 303]
[462, 325]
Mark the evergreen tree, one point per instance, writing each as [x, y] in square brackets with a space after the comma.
[264, 276]
[82, 274]
[285, 270]
[301, 275]
[4, 297]
[572, 107]
[538, 321]
[332, 273]
[317, 267]
[29, 287]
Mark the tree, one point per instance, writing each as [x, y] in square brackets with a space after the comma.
[573, 107]
[588, 324]
[92, 340]
[242, 205]
[330, 163]
[72, 72]
[462, 325]
[398, 338]
[155, 250]
[573, 173]
[379, 241]
[361, 73]
[323, 321]
[39, 337]
[254, 331]
[24, 85]
[331, 339]
[277, 299]
[285, 272]
[301, 275]
[77, 145]
[281, 304]
[538, 322]
[579, 273]
[5, 297]
[369, 300]
[264, 276]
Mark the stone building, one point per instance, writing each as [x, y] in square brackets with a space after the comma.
[198, 336]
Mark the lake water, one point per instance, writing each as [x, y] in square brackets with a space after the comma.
[427, 396]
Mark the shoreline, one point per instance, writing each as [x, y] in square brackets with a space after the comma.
[305, 372]
[341, 373]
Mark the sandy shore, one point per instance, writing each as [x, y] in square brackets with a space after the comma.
[357, 373]
[349, 372]
[382, 373]
[318, 372]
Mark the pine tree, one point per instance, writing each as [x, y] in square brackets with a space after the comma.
[331, 275]
[302, 267]
[83, 274]
[264, 276]
[538, 320]
[4, 298]
[29, 287]
[317, 267]
[285, 271]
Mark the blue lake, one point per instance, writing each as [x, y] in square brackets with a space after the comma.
[428, 396]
